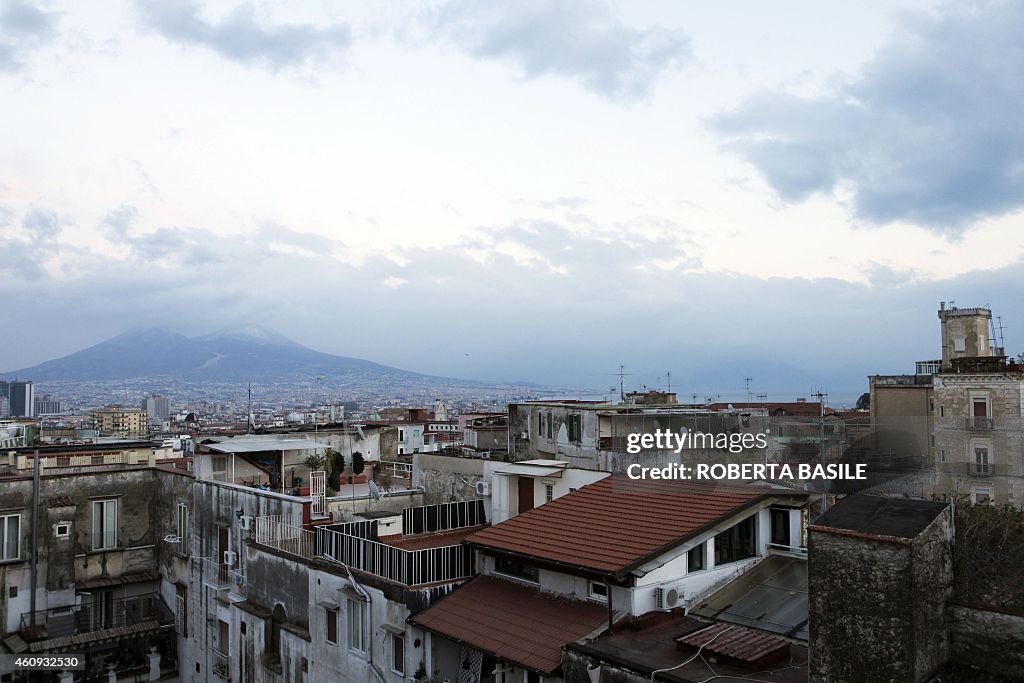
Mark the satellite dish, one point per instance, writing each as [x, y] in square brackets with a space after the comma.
[374, 491]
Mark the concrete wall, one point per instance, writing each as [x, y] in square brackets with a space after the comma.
[445, 477]
[899, 634]
[991, 641]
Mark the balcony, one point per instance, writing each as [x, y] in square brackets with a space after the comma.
[978, 423]
[137, 614]
[981, 469]
[221, 665]
[215, 575]
[431, 557]
[238, 591]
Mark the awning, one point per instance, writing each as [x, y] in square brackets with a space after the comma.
[257, 445]
[530, 471]
[513, 622]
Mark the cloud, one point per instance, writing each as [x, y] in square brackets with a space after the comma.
[28, 244]
[241, 37]
[928, 132]
[584, 41]
[23, 28]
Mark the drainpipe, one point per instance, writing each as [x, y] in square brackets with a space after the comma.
[369, 610]
[35, 533]
[608, 590]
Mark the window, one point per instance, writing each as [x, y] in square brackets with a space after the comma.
[736, 543]
[575, 426]
[10, 537]
[549, 424]
[549, 493]
[981, 463]
[401, 435]
[931, 404]
[181, 610]
[695, 558]
[598, 591]
[933, 439]
[182, 529]
[540, 424]
[982, 496]
[780, 527]
[942, 411]
[357, 625]
[331, 617]
[959, 344]
[942, 455]
[104, 524]
[62, 530]
[398, 653]
[516, 568]
[415, 432]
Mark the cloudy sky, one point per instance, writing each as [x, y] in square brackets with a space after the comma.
[522, 190]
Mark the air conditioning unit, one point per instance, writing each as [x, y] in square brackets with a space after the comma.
[230, 557]
[483, 488]
[246, 522]
[668, 597]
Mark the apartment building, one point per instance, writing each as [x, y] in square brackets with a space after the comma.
[958, 420]
[120, 421]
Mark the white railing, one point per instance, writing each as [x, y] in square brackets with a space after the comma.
[215, 574]
[401, 470]
[294, 540]
[221, 665]
[238, 587]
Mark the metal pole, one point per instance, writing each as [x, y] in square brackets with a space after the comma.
[35, 533]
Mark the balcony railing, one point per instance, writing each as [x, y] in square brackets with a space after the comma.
[215, 574]
[221, 665]
[980, 423]
[94, 615]
[981, 469]
[444, 517]
[238, 587]
[408, 567]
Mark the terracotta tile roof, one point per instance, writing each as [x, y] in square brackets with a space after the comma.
[738, 643]
[438, 539]
[513, 621]
[614, 524]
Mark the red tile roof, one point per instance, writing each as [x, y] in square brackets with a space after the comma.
[738, 643]
[513, 621]
[614, 524]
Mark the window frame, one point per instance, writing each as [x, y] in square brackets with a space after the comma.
[330, 616]
[356, 622]
[5, 541]
[732, 538]
[101, 543]
[701, 551]
[593, 595]
[395, 659]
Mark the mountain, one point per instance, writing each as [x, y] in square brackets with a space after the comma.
[250, 353]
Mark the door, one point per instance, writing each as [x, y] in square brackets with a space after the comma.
[525, 494]
[317, 491]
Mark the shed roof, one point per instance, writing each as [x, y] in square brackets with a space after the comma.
[880, 516]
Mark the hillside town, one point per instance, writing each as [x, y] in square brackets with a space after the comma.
[457, 542]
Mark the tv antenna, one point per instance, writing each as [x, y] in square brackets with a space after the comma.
[622, 374]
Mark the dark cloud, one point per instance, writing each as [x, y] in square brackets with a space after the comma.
[241, 36]
[28, 243]
[23, 27]
[584, 40]
[929, 132]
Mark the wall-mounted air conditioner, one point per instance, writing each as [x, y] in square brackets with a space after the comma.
[668, 597]
[524, 435]
[230, 557]
[246, 522]
[483, 488]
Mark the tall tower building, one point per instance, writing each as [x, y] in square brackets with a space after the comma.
[965, 334]
[22, 397]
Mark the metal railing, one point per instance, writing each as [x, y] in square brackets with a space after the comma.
[96, 615]
[982, 423]
[983, 469]
[221, 665]
[238, 586]
[444, 517]
[400, 470]
[408, 567]
[215, 574]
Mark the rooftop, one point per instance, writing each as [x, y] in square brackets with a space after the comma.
[878, 516]
[652, 643]
[614, 525]
[772, 597]
[512, 621]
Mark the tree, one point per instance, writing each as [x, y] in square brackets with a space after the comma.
[357, 463]
[315, 461]
[337, 465]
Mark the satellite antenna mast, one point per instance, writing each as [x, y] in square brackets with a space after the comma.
[248, 417]
[748, 380]
[622, 385]
[669, 388]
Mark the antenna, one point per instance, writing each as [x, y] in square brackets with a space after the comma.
[748, 380]
[669, 389]
[999, 331]
[622, 386]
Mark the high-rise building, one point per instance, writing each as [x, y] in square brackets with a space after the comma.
[47, 405]
[158, 408]
[120, 421]
[22, 399]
